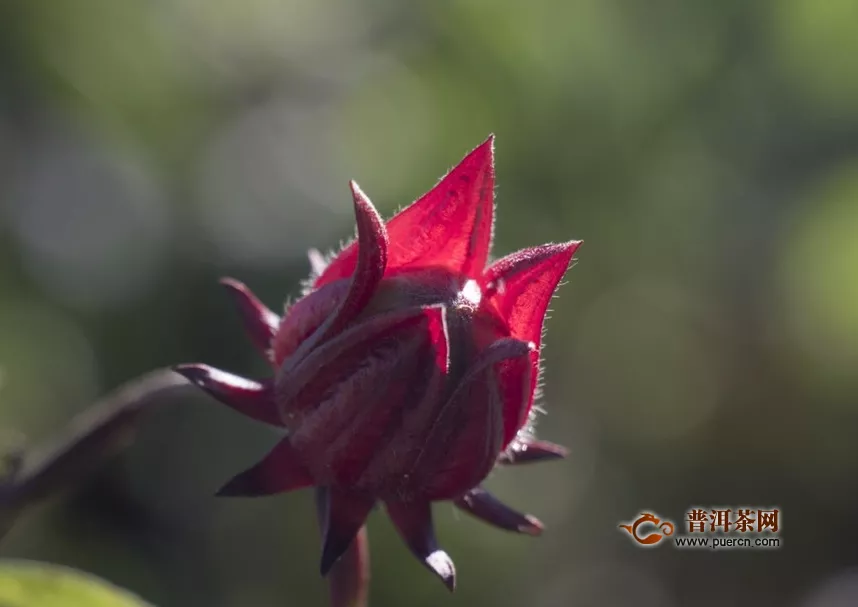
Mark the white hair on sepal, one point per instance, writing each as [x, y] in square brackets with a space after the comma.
[319, 262]
[307, 285]
[287, 304]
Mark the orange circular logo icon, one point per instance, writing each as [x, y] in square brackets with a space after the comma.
[649, 520]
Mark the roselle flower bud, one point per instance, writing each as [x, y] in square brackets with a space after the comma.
[406, 372]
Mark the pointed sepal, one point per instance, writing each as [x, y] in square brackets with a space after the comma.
[259, 322]
[483, 505]
[348, 579]
[450, 226]
[532, 452]
[521, 285]
[372, 244]
[280, 471]
[413, 520]
[253, 399]
[345, 514]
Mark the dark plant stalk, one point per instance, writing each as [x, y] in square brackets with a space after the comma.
[95, 434]
[30, 475]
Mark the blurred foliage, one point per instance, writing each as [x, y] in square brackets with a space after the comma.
[703, 352]
[25, 584]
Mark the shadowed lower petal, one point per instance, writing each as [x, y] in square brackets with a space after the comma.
[382, 370]
[413, 520]
[259, 322]
[246, 396]
[345, 513]
[450, 226]
[280, 471]
[468, 433]
[483, 505]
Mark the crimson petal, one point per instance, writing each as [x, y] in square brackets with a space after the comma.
[371, 262]
[530, 452]
[280, 471]
[413, 520]
[380, 368]
[259, 322]
[246, 396]
[335, 355]
[520, 286]
[514, 377]
[450, 226]
[483, 505]
[344, 515]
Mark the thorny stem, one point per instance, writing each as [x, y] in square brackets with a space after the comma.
[28, 476]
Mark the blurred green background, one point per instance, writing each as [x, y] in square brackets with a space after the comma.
[704, 350]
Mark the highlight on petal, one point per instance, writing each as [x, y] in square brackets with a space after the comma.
[532, 452]
[450, 226]
[436, 329]
[246, 396]
[371, 262]
[280, 471]
[259, 322]
[343, 516]
[483, 505]
[413, 520]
